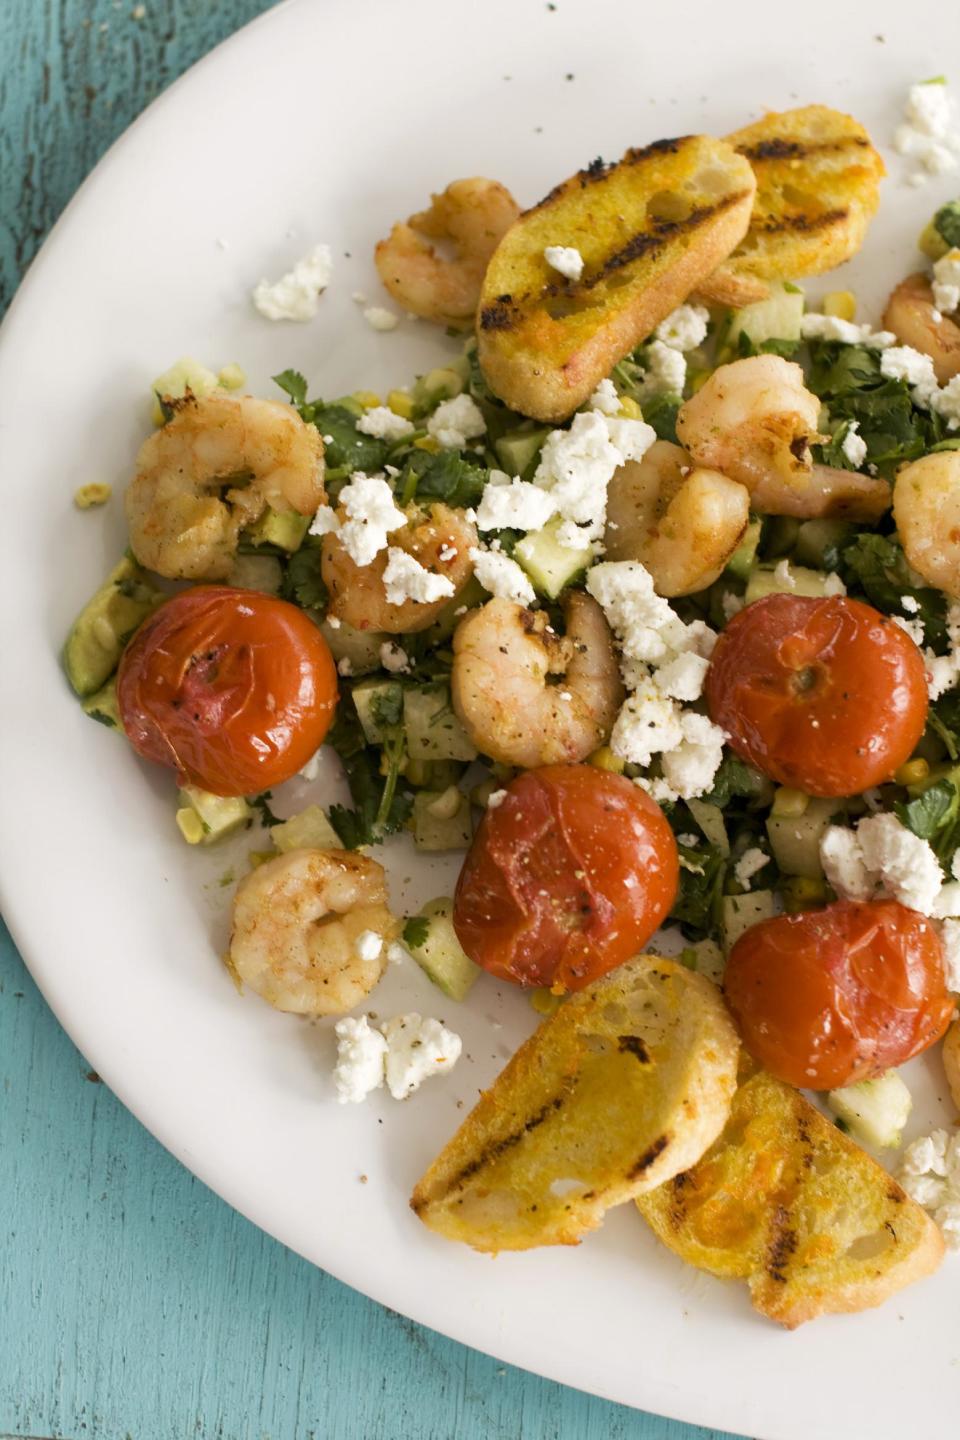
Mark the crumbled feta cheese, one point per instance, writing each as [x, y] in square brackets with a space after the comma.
[334, 622]
[576, 466]
[361, 1054]
[311, 770]
[682, 678]
[605, 398]
[814, 326]
[732, 604]
[685, 328]
[690, 767]
[513, 504]
[396, 953]
[496, 798]
[647, 627]
[324, 522]
[383, 424]
[456, 421]
[367, 502]
[751, 862]
[930, 1174]
[369, 945]
[565, 259]
[394, 658]
[929, 132]
[784, 576]
[630, 437]
[296, 295]
[380, 319]
[946, 282]
[943, 671]
[910, 603]
[345, 666]
[882, 856]
[902, 362]
[950, 942]
[648, 724]
[947, 403]
[502, 576]
[404, 578]
[913, 628]
[833, 585]
[665, 370]
[416, 1049]
[854, 446]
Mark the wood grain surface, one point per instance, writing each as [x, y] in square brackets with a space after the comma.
[134, 1304]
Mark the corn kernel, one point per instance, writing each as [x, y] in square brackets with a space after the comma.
[841, 304]
[190, 825]
[789, 804]
[446, 804]
[260, 857]
[428, 443]
[912, 772]
[545, 1002]
[232, 377]
[630, 408]
[367, 398]
[96, 493]
[801, 892]
[932, 243]
[400, 403]
[604, 759]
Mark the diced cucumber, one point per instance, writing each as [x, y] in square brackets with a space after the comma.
[440, 954]
[784, 579]
[380, 706]
[550, 565]
[711, 822]
[742, 911]
[795, 839]
[103, 706]
[443, 383]
[706, 957]
[105, 624]
[776, 318]
[360, 647]
[184, 374]
[518, 450]
[283, 528]
[448, 619]
[433, 730]
[779, 536]
[816, 537]
[742, 560]
[309, 830]
[875, 1110]
[437, 825]
[204, 818]
[256, 572]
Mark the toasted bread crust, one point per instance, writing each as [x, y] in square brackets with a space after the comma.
[786, 1202]
[650, 228]
[611, 1096]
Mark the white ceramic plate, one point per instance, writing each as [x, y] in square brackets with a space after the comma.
[325, 122]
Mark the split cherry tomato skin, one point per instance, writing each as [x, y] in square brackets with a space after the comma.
[830, 997]
[566, 878]
[824, 695]
[232, 689]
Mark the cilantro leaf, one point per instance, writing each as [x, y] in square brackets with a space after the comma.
[294, 385]
[415, 931]
[785, 348]
[380, 807]
[932, 811]
[943, 718]
[946, 222]
[302, 581]
[735, 779]
[699, 897]
[876, 565]
[661, 412]
[386, 706]
[346, 446]
[833, 452]
[446, 476]
[261, 804]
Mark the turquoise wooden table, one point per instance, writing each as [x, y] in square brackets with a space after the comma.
[134, 1304]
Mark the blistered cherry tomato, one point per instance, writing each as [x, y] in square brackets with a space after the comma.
[828, 696]
[829, 997]
[232, 689]
[567, 877]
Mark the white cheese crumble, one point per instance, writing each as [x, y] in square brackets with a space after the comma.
[369, 945]
[929, 133]
[394, 658]
[416, 1049]
[751, 862]
[404, 578]
[833, 585]
[511, 504]
[882, 857]
[502, 576]
[854, 446]
[381, 422]
[295, 296]
[361, 1054]
[685, 328]
[930, 1174]
[902, 362]
[576, 466]
[950, 944]
[495, 799]
[311, 770]
[814, 326]
[565, 259]
[784, 576]
[665, 370]
[345, 666]
[690, 767]
[605, 398]
[456, 421]
[380, 319]
[946, 282]
[943, 671]
[371, 515]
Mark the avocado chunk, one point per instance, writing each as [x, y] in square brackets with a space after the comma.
[518, 449]
[283, 528]
[437, 950]
[308, 830]
[105, 624]
[102, 706]
[785, 579]
[742, 560]
[550, 565]
[204, 818]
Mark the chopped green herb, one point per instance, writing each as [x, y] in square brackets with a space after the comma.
[415, 931]
[877, 566]
[445, 476]
[294, 385]
[302, 580]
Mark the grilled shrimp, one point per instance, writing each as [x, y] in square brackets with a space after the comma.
[755, 420]
[440, 540]
[471, 216]
[306, 927]
[213, 468]
[916, 321]
[683, 523]
[528, 696]
[926, 509]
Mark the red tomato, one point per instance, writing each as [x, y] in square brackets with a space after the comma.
[829, 997]
[568, 877]
[828, 696]
[232, 689]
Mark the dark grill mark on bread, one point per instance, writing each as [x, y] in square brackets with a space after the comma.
[499, 316]
[804, 224]
[656, 147]
[633, 1045]
[783, 1244]
[646, 242]
[499, 1146]
[598, 170]
[648, 1156]
[778, 148]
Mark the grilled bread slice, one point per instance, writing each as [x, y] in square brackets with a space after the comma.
[627, 1083]
[650, 228]
[786, 1202]
[818, 187]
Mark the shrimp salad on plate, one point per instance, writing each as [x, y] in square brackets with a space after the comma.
[647, 598]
